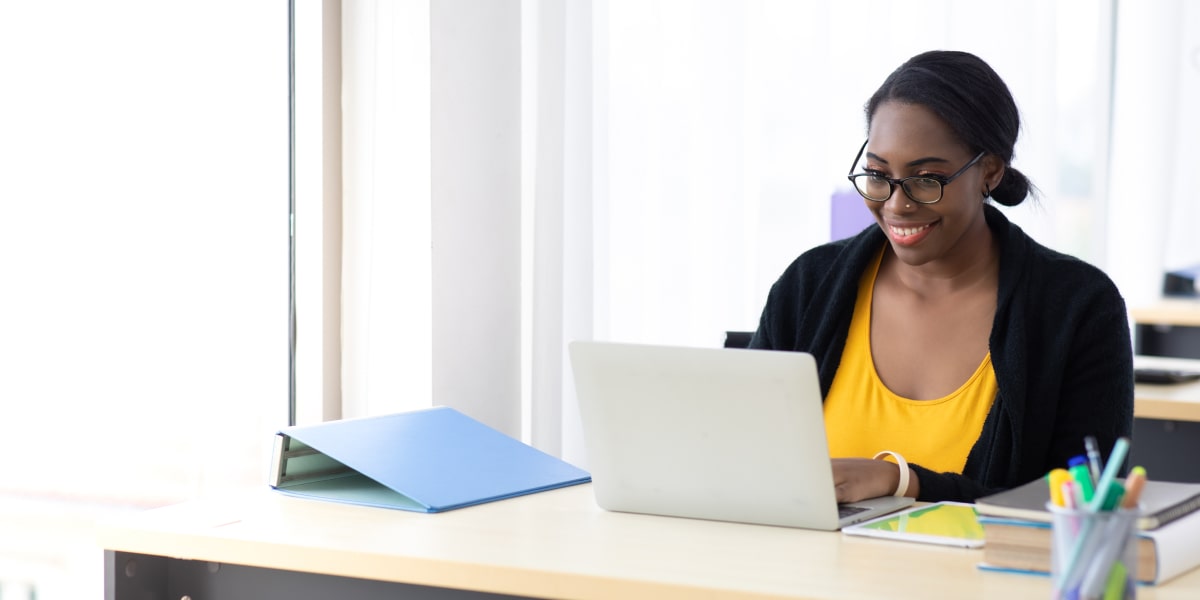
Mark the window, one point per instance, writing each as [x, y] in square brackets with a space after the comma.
[143, 233]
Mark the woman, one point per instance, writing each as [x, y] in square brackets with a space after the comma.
[945, 336]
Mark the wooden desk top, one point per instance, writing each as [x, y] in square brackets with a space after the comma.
[1175, 402]
[559, 544]
[1168, 312]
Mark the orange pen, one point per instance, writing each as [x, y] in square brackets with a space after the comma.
[1133, 487]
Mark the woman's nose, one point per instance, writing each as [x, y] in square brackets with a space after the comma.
[899, 201]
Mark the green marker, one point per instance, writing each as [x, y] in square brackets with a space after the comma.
[1078, 468]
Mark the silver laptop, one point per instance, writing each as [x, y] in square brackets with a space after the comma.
[710, 433]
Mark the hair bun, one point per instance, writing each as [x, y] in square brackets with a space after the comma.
[1013, 189]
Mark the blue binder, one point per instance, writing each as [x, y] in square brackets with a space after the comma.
[429, 460]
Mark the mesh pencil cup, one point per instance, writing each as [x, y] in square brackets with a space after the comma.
[1093, 554]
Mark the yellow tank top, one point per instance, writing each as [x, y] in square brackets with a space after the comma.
[862, 416]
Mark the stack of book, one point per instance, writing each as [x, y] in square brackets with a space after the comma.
[1016, 529]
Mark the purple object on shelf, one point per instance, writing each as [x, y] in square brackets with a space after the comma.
[848, 215]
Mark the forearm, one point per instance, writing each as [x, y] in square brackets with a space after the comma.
[931, 486]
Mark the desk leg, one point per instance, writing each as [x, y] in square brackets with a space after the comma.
[141, 577]
[134, 576]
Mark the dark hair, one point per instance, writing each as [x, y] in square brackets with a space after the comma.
[971, 98]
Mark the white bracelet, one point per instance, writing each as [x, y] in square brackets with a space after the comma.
[903, 464]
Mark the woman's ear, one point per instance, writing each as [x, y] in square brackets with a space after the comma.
[993, 172]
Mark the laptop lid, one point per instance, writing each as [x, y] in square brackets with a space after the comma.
[710, 433]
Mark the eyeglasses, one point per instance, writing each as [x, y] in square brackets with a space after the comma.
[922, 189]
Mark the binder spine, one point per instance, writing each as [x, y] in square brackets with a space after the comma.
[294, 462]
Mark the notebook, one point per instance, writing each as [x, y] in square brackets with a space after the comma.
[710, 433]
[1161, 502]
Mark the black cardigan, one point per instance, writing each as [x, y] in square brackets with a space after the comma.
[1060, 348]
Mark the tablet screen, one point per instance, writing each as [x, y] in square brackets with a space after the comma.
[949, 523]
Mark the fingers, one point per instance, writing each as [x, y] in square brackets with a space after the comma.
[844, 494]
[860, 478]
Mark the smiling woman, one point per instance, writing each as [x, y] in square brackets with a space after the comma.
[930, 328]
[912, 141]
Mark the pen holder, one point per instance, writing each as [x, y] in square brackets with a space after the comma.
[1093, 554]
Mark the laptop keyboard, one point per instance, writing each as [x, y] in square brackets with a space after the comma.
[845, 510]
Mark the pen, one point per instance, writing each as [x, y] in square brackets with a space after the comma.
[1133, 487]
[1103, 563]
[1073, 569]
[1112, 500]
[1119, 582]
[1070, 496]
[1093, 454]
[1105, 556]
[1108, 476]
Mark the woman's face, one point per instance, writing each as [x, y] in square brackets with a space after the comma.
[909, 140]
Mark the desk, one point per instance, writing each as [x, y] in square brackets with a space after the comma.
[555, 544]
[1183, 312]
[1170, 327]
[1176, 402]
[1166, 425]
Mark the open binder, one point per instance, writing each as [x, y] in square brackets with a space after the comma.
[429, 460]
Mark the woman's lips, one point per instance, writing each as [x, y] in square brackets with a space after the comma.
[908, 235]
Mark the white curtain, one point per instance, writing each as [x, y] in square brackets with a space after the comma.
[1154, 211]
[431, 208]
[386, 279]
[731, 126]
[675, 156]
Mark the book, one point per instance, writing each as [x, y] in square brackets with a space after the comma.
[1161, 502]
[429, 460]
[1024, 546]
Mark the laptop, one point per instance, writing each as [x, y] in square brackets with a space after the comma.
[710, 433]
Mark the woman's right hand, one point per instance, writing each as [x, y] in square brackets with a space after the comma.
[857, 479]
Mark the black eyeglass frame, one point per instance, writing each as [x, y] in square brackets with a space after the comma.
[903, 181]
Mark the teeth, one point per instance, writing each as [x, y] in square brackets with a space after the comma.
[907, 231]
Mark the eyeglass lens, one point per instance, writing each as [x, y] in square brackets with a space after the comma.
[921, 189]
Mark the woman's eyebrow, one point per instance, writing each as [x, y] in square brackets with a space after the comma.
[913, 163]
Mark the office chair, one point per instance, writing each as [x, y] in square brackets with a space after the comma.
[737, 339]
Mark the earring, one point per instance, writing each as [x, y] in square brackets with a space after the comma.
[987, 191]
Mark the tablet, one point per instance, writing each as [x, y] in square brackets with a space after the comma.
[945, 523]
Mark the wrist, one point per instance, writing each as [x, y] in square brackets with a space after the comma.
[906, 477]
